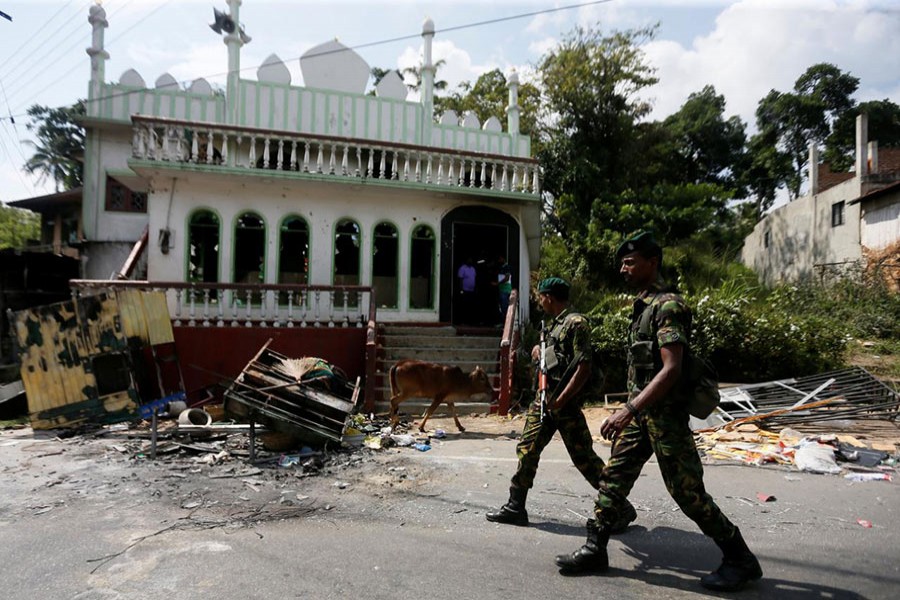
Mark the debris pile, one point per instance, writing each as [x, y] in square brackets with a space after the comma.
[307, 398]
[838, 395]
[828, 453]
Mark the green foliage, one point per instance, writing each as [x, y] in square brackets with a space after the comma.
[18, 226]
[59, 146]
[884, 121]
[749, 333]
[794, 120]
[489, 96]
[707, 146]
[591, 109]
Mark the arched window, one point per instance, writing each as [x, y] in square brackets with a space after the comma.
[346, 252]
[293, 254]
[385, 255]
[203, 247]
[421, 268]
[249, 249]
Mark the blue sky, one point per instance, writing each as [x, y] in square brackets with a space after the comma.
[742, 47]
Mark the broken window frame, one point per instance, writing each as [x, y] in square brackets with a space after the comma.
[194, 228]
[285, 241]
[350, 237]
[247, 252]
[422, 236]
[386, 239]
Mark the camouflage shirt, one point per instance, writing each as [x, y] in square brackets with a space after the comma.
[669, 323]
[571, 339]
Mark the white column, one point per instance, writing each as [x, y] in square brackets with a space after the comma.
[234, 42]
[97, 19]
[427, 89]
[512, 111]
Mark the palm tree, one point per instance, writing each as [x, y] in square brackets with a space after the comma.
[416, 74]
[59, 145]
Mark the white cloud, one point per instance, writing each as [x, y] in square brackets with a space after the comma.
[758, 45]
[458, 67]
[540, 47]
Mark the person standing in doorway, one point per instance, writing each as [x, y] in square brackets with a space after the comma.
[466, 275]
[655, 421]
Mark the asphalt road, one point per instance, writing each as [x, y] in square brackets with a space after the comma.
[84, 521]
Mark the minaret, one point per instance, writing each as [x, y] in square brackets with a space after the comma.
[512, 111]
[234, 42]
[97, 19]
[428, 72]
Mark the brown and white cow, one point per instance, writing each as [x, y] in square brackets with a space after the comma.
[419, 379]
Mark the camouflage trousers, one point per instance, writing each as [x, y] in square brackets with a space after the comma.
[573, 429]
[662, 430]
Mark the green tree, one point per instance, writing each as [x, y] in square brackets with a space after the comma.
[489, 96]
[59, 146]
[589, 119]
[707, 145]
[884, 126]
[415, 73]
[803, 117]
[18, 226]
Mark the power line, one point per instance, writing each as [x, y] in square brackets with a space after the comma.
[368, 44]
[141, 20]
[78, 41]
[34, 36]
[70, 22]
[11, 162]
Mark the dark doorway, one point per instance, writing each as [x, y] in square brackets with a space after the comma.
[482, 234]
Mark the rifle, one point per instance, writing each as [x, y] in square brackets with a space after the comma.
[543, 379]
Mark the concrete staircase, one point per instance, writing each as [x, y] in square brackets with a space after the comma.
[438, 344]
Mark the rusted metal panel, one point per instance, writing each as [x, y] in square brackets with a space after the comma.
[75, 356]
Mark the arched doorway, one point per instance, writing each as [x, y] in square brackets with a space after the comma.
[482, 234]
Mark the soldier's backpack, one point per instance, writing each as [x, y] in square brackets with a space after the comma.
[699, 378]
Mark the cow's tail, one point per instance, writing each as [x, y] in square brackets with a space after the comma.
[393, 379]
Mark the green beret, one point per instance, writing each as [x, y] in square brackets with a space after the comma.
[555, 286]
[642, 242]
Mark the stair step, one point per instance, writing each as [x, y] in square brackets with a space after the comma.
[440, 355]
[445, 331]
[439, 341]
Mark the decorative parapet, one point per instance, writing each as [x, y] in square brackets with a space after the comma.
[306, 155]
[251, 305]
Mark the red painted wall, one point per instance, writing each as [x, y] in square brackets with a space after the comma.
[211, 355]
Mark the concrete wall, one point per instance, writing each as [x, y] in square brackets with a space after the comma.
[106, 150]
[881, 221]
[322, 205]
[802, 238]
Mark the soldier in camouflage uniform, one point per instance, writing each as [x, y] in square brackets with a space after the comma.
[569, 341]
[655, 421]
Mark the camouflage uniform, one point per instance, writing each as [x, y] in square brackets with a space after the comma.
[571, 338]
[662, 429]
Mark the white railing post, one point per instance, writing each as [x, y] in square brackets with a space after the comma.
[220, 300]
[177, 307]
[210, 148]
[206, 307]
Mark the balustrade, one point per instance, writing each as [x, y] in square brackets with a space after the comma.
[170, 140]
[252, 305]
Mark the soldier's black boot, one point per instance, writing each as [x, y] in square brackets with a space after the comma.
[739, 566]
[513, 512]
[591, 557]
[628, 515]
